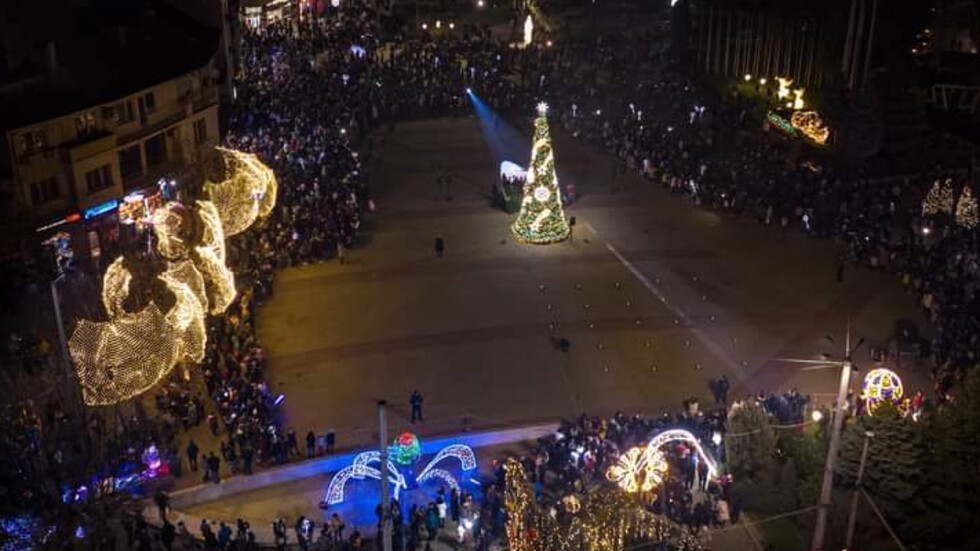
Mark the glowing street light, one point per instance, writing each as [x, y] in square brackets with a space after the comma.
[817, 416]
[763, 81]
[479, 3]
[425, 26]
[748, 77]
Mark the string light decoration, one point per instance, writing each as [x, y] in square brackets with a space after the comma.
[640, 469]
[608, 520]
[406, 449]
[115, 287]
[681, 435]
[881, 385]
[784, 84]
[810, 125]
[209, 257]
[967, 215]
[187, 316]
[248, 193]
[127, 355]
[122, 358]
[939, 200]
[172, 228]
[528, 31]
[401, 478]
[571, 503]
[541, 219]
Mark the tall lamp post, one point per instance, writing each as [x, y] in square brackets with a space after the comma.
[846, 367]
[385, 506]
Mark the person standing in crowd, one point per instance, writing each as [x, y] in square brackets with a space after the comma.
[416, 402]
[330, 441]
[440, 246]
[310, 445]
[167, 535]
[192, 451]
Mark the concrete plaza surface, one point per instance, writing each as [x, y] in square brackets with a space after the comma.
[656, 296]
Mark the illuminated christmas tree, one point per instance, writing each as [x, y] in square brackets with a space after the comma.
[940, 198]
[966, 209]
[542, 219]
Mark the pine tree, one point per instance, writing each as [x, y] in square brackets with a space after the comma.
[542, 219]
[954, 466]
[750, 442]
[895, 472]
[967, 215]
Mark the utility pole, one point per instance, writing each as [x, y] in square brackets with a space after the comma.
[828, 472]
[868, 435]
[385, 507]
[846, 367]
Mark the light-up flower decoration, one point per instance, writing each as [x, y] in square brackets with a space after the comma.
[401, 477]
[406, 450]
[881, 385]
[640, 469]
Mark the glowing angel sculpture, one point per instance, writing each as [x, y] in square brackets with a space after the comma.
[128, 354]
[640, 469]
[402, 457]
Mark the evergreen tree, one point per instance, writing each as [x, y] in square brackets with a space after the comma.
[895, 471]
[954, 466]
[542, 219]
[749, 441]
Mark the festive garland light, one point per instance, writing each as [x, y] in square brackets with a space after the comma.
[810, 125]
[967, 215]
[939, 199]
[125, 356]
[881, 385]
[541, 219]
[640, 469]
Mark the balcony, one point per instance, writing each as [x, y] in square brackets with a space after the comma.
[89, 145]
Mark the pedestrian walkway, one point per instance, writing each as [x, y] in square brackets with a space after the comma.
[184, 499]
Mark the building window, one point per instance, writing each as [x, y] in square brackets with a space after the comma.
[85, 123]
[156, 151]
[98, 179]
[31, 141]
[200, 131]
[124, 112]
[147, 103]
[44, 191]
[131, 162]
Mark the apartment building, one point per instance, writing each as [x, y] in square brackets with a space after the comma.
[110, 115]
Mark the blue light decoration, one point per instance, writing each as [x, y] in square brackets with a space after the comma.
[100, 209]
[402, 477]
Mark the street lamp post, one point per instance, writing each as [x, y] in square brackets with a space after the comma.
[852, 519]
[385, 508]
